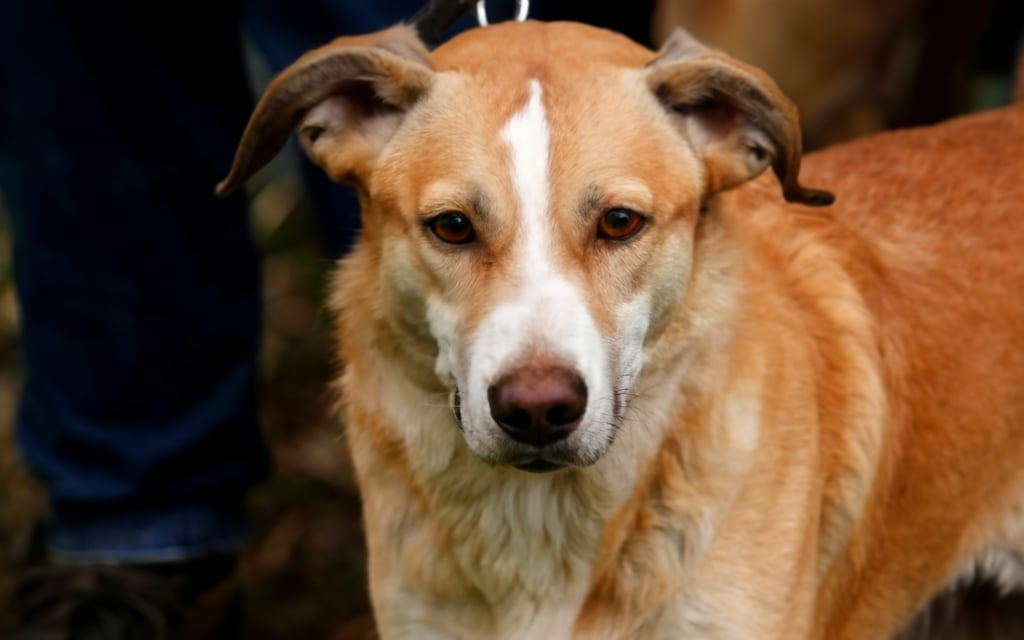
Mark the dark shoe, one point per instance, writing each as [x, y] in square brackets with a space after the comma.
[95, 602]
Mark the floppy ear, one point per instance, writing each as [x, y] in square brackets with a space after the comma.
[346, 99]
[736, 117]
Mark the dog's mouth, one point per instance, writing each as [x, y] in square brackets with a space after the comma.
[540, 465]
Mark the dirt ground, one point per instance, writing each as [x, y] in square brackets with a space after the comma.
[303, 573]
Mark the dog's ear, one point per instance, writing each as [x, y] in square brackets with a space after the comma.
[345, 99]
[735, 116]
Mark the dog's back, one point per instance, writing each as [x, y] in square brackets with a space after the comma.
[931, 218]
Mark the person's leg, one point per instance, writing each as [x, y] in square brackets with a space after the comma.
[138, 290]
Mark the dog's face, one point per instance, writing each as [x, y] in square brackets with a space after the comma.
[530, 197]
[536, 280]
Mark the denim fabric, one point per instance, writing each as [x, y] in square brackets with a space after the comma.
[145, 536]
[139, 291]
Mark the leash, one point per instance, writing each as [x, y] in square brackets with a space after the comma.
[437, 16]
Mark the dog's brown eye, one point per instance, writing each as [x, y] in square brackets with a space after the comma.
[452, 227]
[619, 224]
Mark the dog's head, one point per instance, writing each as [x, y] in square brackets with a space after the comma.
[530, 193]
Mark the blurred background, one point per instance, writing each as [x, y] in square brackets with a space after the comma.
[852, 66]
[307, 555]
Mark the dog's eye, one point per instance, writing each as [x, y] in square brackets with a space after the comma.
[452, 227]
[619, 224]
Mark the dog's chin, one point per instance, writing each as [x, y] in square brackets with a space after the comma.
[536, 460]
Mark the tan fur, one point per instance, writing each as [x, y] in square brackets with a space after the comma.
[828, 425]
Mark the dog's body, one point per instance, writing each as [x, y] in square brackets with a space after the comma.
[760, 419]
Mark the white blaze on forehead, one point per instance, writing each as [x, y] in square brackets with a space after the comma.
[546, 310]
[528, 137]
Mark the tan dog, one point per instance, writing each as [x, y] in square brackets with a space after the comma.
[744, 417]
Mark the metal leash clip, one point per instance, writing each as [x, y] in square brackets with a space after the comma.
[522, 10]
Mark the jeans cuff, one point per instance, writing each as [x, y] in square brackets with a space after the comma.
[149, 536]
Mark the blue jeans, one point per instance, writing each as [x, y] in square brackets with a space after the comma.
[139, 291]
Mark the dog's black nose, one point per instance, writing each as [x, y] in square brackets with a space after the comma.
[538, 404]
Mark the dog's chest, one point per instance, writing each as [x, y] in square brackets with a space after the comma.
[526, 547]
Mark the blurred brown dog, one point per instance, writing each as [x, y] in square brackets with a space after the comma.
[606, 377]
[852, 68]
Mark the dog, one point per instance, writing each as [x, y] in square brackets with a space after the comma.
[606, 376]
